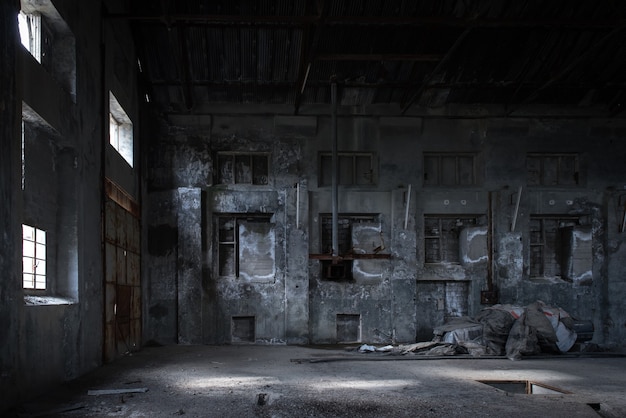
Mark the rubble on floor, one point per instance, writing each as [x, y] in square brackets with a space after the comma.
[499, 330]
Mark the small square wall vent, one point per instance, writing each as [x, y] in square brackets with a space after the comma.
[243, 329]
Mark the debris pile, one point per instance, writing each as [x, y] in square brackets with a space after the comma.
[499, 330]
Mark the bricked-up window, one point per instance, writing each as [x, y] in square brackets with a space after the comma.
[33, 258]
[547, 244]
[441, 237]
[355, 169]
[449, 169]
[552, 169]
[245, 246]
[242, 168]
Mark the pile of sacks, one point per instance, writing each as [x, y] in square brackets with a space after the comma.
[499, 330]
[518, 331]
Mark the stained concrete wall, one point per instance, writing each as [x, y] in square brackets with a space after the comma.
[401, 298]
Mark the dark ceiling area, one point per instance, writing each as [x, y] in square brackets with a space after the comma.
[411, 56]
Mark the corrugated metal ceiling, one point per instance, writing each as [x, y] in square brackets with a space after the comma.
[411, 55]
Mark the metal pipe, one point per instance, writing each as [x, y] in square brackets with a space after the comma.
[335, 167]
[406, 212]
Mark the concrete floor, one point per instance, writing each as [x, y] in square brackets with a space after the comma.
[291, 381]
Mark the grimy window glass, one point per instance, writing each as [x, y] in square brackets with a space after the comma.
[242, 168]
[449, 169]
[552, 169]
[355, 169]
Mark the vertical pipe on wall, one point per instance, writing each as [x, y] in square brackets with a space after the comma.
[335, 167]
[406, 211]
[298, 205]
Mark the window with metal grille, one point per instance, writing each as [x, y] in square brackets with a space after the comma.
[242, 168]
[355, 169]
[245, 246]
[547, 244]
[552, 169]
[441, 237]
[449, 169]
[33, 258]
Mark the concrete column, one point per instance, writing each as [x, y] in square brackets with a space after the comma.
[189, 285]
[297, 275]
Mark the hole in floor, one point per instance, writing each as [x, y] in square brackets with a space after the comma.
[525, 387]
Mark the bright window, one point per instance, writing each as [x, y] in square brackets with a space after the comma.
[120, 130]
[33, 258]
[30, 33]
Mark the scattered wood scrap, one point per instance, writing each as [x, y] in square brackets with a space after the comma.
[98, 392]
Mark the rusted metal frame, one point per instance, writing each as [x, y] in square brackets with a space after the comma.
[444, 60]
[308, 52]
[296, 21]
[349, 257]
[580, 58]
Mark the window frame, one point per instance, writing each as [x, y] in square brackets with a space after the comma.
[257, 178]
[439, 179]
[325, 169]
[542, 247]
[442, 248]
[121, 131]
[39, 244]
[561, 181]
[224, 242]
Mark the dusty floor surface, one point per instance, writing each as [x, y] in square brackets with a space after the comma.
[266, 381]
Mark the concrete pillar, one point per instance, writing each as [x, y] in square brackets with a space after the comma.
[189, 289]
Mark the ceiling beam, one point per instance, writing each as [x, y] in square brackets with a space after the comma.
[379, 57]
[287, 20]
